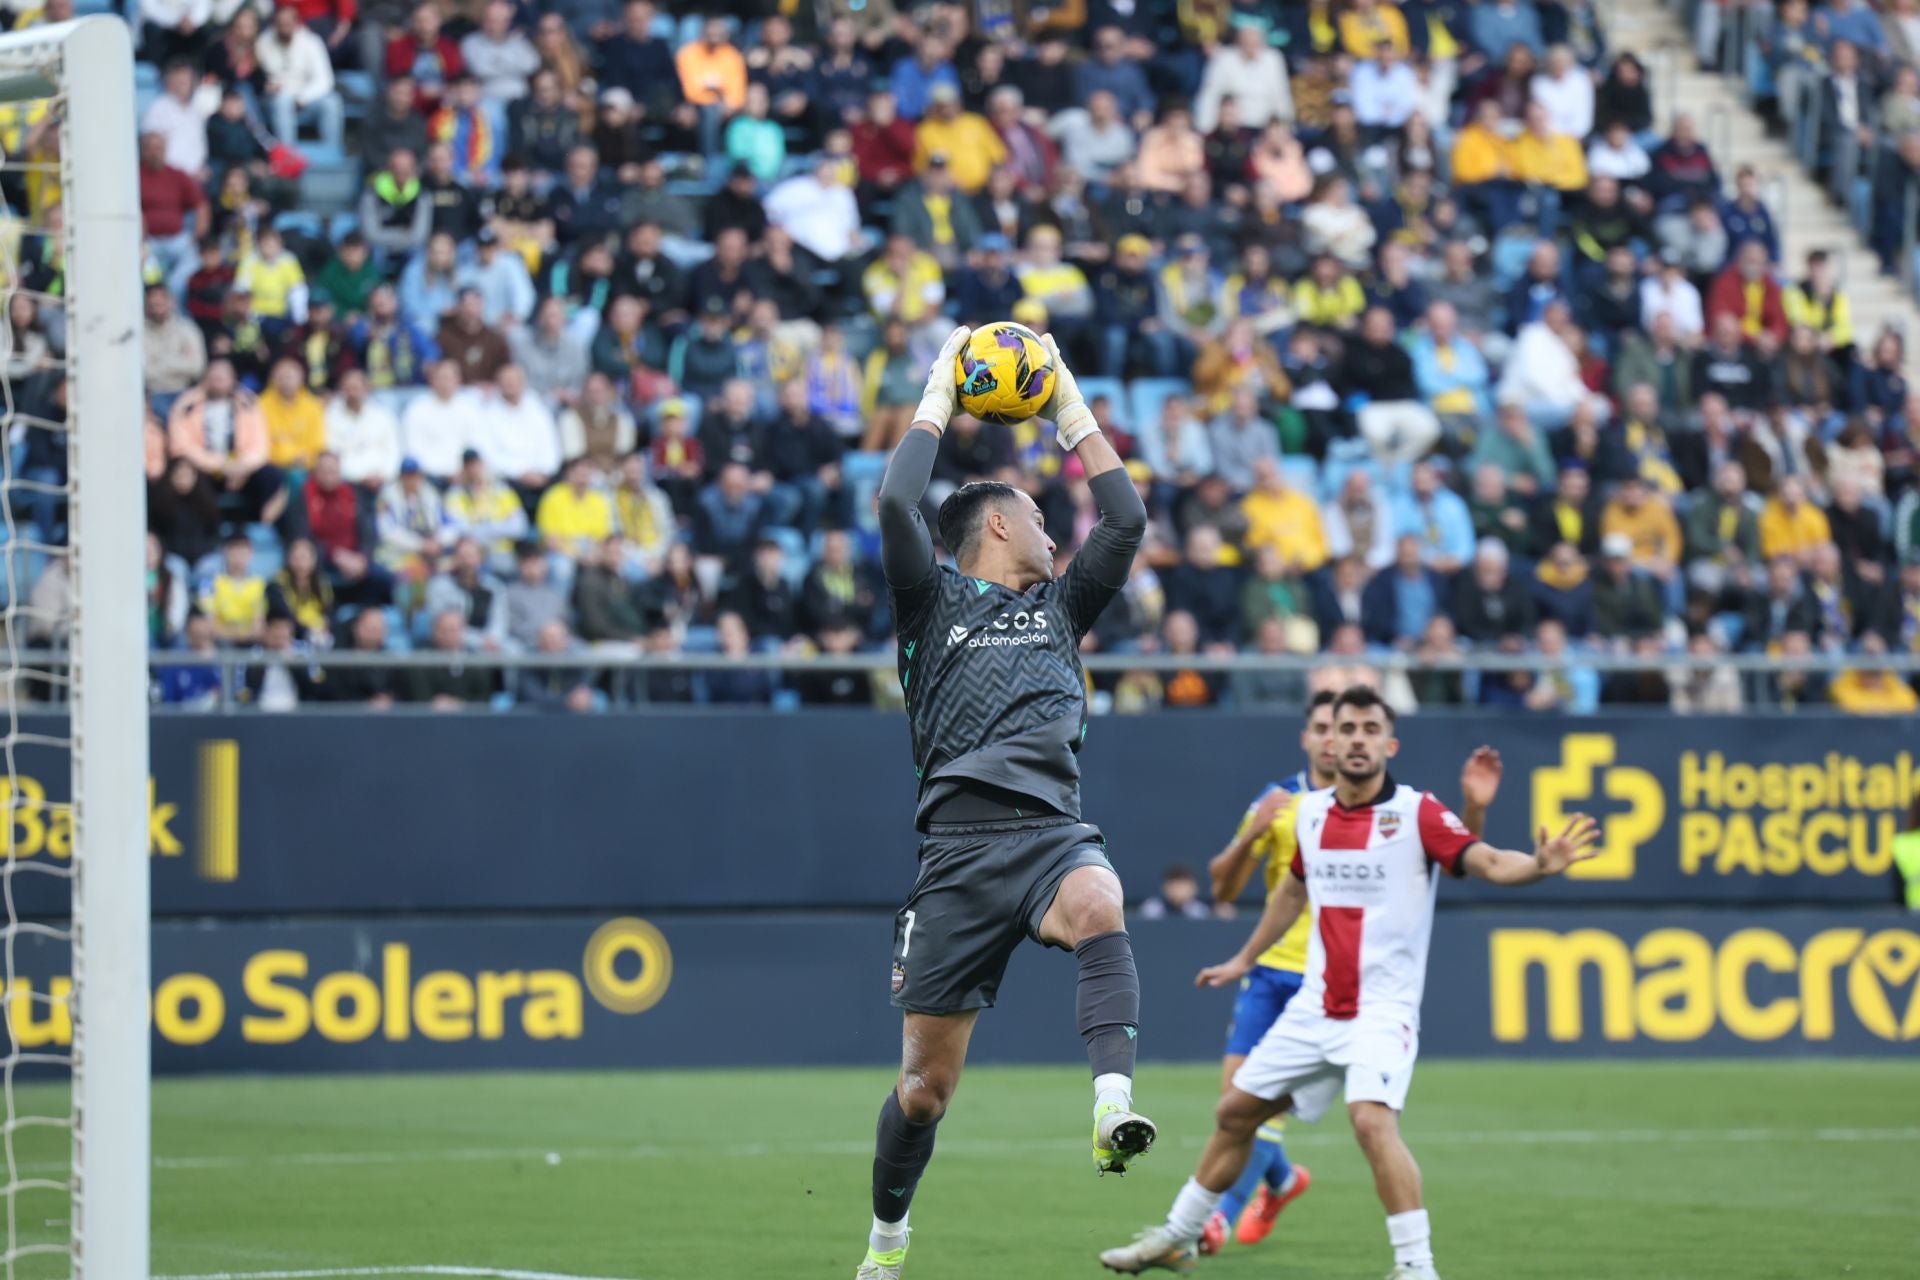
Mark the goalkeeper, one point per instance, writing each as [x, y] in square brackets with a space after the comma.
[996, 705]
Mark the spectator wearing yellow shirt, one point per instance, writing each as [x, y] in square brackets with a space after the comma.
[1873, 691]
[278, 284]
[236, 598]
[1646, 519]
[967, 140]
[296, 420]
[1056, 284]
[1550, 162]
[1367, 24]
[573, 517]
[1328, 296]
[1483, 169]
[1790, 525]
[1284, 519]
[905, 284]
[1820, 304]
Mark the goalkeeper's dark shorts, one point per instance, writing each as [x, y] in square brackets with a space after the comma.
[982, 889]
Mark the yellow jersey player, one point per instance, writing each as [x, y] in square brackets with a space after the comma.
[1266, 840]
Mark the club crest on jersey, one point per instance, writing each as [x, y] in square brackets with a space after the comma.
[1389, 825]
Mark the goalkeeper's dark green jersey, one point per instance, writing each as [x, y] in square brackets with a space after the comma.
[995, 692]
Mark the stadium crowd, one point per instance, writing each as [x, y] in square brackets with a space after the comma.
[1416, 336]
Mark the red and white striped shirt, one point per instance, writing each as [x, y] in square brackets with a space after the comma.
[1372, 874]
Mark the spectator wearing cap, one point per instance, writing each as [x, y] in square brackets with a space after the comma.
[501, 280]
[1626, 603]
[429, 286]
[362, 433]
[676, 459]
[965, 141]
[396, 215]
[436, 426]
[1126, 299]
[484, 508]
[299, 73]
[1747, 291]
[498, 55]
[349, 276]
[515, 432]
[935, 217]
[424, 53]
[703, 359]
[986, 289]
[530, 600]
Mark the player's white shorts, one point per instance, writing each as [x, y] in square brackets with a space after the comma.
[1309, 1055]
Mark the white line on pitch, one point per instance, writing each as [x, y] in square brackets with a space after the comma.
[993, 1146]
[334, 1273]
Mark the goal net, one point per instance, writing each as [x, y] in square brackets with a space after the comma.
[73, 724]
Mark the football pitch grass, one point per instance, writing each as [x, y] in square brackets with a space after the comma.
[1689, 1170]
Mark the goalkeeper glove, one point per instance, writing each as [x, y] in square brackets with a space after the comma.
[1072, 420]
[936, 402]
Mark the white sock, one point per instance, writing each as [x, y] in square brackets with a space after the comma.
[1112, 1087]
[1411, 1237]
[887, 1236]
[1191, 1209]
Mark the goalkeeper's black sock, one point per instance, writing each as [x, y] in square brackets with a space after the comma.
[1107, 1002]
[901, 1149]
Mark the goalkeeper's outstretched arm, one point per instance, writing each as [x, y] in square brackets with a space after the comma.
[906, 548]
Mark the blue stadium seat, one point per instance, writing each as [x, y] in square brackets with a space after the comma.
[146, 75]
[1302, 473]
[1149, 394]
[300, 222]
[355, 86]
[327, 189]
[1113, 389]
[342, 224]
[862, 472]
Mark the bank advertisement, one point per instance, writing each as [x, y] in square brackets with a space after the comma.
[393, 993]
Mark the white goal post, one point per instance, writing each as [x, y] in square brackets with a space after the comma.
[83, 71]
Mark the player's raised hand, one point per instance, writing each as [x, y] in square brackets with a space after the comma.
[936, 401]
[1480, 778]
[1066, 408]
[1579, 842]
[1223, 975]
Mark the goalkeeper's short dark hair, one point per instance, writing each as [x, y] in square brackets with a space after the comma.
[962, 514]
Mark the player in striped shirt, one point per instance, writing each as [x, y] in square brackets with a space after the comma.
[1266, 841]
[1370, 852]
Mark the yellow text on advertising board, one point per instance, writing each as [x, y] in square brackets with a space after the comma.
[1677, 985]
[279, 998]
